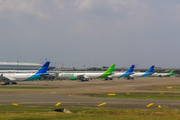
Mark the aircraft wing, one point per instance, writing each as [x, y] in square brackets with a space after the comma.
[82, 77]
[86, 77]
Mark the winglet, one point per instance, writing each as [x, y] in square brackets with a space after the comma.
[151, 69]
[44, 68]
[130, 70]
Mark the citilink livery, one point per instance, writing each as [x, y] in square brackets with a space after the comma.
[163, 74]
[87, 76]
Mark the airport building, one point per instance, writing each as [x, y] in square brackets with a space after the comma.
[21, 66]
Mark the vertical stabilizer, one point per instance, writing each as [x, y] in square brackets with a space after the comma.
[172, 72]
[151, 69]
[44, 68]
[130, 70]
[110, 69]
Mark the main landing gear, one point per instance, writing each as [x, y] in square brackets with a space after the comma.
[108, 79]
[130, 78]
[14, 82]
[7, 82]
[82, 80]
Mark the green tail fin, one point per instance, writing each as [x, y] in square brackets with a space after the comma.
[172, 71]
[108, 71]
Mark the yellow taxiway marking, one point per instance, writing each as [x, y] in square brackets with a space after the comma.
[149, 104]
[15, 104]
[101, 104]
[69, 95]
[169, 87]
[128, 93]
[159, 106]
[58, 104]
[161, 93]
[111, 94]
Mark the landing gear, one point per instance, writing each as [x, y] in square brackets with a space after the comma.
[14, 82]
[7, 83]
[108, 79]
[84, 80]
[130, 78]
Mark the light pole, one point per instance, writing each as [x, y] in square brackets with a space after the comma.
[17, 65]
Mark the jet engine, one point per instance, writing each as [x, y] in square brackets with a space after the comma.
[73, 78]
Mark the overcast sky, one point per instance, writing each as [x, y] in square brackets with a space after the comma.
[91, 32]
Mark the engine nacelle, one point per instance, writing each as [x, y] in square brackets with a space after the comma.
[73, 78]
[43, 76]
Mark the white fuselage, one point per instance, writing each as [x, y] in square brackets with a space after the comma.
[160, 74]
[116, 75]
[17, 76]
[88, 75]
[138, 74]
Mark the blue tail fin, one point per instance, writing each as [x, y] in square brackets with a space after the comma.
[44, 68]
[130, 70]
[151, 69]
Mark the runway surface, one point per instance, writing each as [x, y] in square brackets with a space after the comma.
[78, 93]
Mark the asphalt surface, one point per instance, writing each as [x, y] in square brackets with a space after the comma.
[78, 93]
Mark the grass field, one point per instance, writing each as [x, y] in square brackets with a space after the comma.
[141, 95]
[85, 113]
[168, 88]
[24, 87]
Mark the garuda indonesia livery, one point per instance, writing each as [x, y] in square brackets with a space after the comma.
[141, 74]
[12, 77]
[87, 76]
[164, 74]
[122, 74]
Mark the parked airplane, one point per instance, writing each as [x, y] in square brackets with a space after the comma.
[87, 76]
[141, 74]
[12, 77]
[163, 74]
[122, 74]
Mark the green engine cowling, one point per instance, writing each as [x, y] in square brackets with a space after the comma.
[72, 78]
